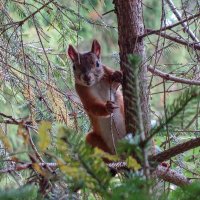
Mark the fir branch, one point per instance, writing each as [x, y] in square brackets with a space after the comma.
[174, 109]
[20, 23]
[135, 107]
[83, 18]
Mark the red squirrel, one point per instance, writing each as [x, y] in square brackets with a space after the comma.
[98, 88]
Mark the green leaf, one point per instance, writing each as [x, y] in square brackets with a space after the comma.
[132, 163]
[5, 140]
[44, 137]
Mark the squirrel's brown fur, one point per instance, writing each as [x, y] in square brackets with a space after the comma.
[98, 89]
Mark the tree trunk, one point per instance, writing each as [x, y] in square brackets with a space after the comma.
[130, 27]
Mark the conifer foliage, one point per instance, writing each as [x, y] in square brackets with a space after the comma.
[43, 154]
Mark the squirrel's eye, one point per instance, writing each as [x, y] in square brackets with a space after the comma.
[97, 63]
[74, 67]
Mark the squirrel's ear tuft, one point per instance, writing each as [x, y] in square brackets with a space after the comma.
[72, 53]
[96, 48]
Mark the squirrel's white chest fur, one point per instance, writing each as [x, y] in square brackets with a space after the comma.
[102, 91]
[112, 127]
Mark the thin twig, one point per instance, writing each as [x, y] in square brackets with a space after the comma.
[193, 45]
[170, 77]
[170, 26]
[178, 16]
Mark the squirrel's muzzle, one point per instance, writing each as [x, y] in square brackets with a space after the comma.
[87, 77]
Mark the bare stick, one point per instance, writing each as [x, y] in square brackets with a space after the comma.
[173, 151]
[178, 16]
[171, 176]
[161, 172]
[20, 167]
[167, 76]
[170, 26]
[192, 45]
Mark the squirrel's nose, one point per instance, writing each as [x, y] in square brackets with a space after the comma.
[87, 77]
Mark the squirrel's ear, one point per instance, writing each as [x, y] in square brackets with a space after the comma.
[72, 53]
[96, 48]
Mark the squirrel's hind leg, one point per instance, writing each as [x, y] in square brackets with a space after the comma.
[96, 140]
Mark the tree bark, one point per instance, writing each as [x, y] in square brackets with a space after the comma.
[130, 27]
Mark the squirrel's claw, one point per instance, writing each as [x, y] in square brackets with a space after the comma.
[117, 76]
[110, 106]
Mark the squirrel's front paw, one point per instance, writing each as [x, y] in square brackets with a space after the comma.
[110, 106]
[117, 76]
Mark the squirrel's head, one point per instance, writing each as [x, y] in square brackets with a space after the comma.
[87, 67]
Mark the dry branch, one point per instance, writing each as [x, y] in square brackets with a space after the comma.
[161, 172]
[173, 151]
[170, 77]
[192, 45]
[170, 26]
[178, 16]
[171, 176]
[20, 167]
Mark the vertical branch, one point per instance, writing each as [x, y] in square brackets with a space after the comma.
[135, 63]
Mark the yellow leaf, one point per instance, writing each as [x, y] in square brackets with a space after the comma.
[44, 137]
[23, 132]
[62, 146]
[61, 143]
[70, 171]
[102, 154]
[38, 168]
[73, 171]
[5, 140]
[132, 163]
[60, 162]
